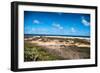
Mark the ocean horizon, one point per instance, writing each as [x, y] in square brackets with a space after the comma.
[30, 35]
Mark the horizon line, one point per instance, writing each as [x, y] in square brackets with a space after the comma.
[55, 35]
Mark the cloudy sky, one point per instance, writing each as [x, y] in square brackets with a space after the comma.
[53, 23]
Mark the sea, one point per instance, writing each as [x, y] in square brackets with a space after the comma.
[77, 36]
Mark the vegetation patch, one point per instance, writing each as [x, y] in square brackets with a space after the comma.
[32, 52]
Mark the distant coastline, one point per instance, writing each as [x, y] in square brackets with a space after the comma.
[26, 35]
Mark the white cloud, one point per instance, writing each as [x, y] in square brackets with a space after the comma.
[73, 29]
[85, 22]
[36, 21]
[57, 26]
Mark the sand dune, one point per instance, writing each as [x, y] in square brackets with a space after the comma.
[67, 49]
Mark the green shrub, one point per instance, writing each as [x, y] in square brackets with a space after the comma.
[37, 53]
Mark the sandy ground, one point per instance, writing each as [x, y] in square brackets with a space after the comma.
[67, 50]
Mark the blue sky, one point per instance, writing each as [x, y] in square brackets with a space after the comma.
[54, 23]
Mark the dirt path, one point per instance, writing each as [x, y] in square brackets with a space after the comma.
[62, 51]
[66, 51]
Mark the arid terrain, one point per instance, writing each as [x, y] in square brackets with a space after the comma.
[41, 48]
